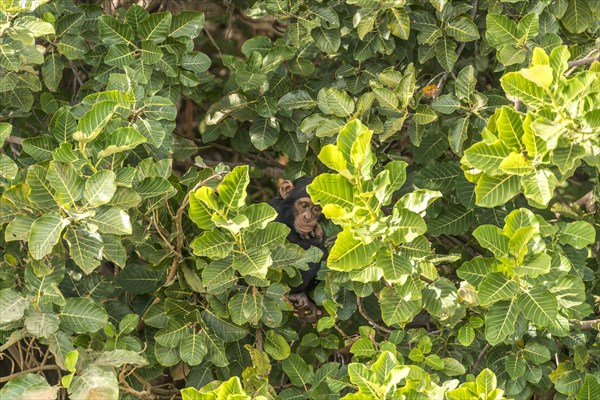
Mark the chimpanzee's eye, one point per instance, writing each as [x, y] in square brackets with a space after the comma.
[304, 205]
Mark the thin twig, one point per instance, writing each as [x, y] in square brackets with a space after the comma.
[179, 229]
[76, 73]
[14, 139]
[584, 61]
[587, 325]
[374, 324]
[29, 371]
[478, 361]
[212, 40]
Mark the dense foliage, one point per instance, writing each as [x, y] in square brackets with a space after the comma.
[456, 152]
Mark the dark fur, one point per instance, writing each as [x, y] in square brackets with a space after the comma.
[285, 215]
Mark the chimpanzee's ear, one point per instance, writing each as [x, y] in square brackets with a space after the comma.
[285, 188]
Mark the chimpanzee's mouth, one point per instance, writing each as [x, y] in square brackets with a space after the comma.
[302, 229]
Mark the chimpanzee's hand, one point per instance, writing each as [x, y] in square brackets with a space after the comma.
[317, 232]
[299, 300]
[307, 310]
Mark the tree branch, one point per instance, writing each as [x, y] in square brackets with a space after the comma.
[587, 325]
[584, 61]
[14, 139]
[29, 371]
[478, 361]
[177, 257]
[374, 324]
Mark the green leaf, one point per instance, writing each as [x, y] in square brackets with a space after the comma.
[336, 102]
[518, 88]
[113, 31]
[536, 353]
[445, 52]
[577, 17]
[85, 248]
[462, 29]
[455, 220]
[398, 304]
[67, 183]
[111, 220]
[446, 104]
[457, 134]
[82, 315]
[590, 389]
[264, 133]
[464, 86]
[95, 381]
[187, 24]
[52, 71]
[538, 264]
[297, 370]
[418, 200]
[42, 324]
[424, 114]
[496, 287]
[196, 62]
[486, 157]
[5, 131]
[259, 215]
[40, 148]
[120, 140]
[19, 228]
[193, 349]
[254, 262]
[510, 128]
[328, 40]
[45, 233]
[486, 383]
[100, 188]
[515, 365]
[492, 238]
[493, 191]
[213, 244]
[63, 125]
[399, 23]
[72, 47]
[386, 98]
[156, 27]
[348, 253]
[579, 234]
[35, 26]
[40, 192]
[297, 99]
[500, 30]
[154, 187]
[476, 270]
[232, 191]
[332, 189]
[407, 226]
[173, 334]
[119, 55]
[539, 187]
[538, 305]
[92, 123]
[276, 346]
[120, 357]
[500, 321]
[13, 306]
[200, 213]
[528, 27]
[516, 164]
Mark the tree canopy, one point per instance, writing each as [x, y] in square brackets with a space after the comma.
[455, 149]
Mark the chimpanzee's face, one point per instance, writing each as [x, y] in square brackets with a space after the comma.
[306, 215]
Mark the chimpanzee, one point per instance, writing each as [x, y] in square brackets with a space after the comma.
[296, 210]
